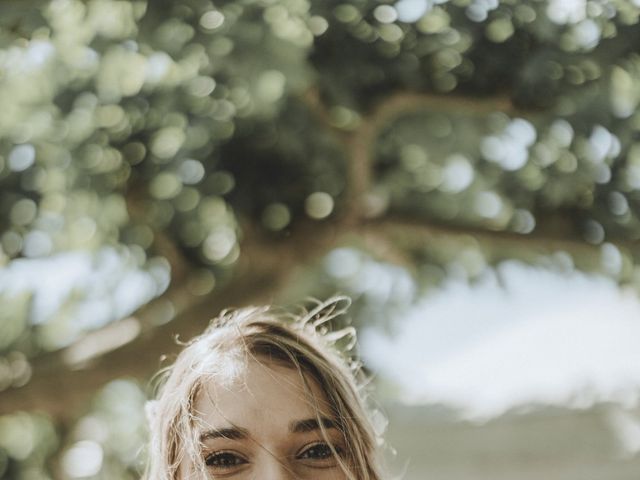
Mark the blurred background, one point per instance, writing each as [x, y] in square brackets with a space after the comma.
[468, 171]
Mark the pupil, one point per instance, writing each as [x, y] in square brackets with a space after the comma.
[222, 460]
[320, 451]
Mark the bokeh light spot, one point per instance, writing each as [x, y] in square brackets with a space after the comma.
[11, 243]
[411, 10]
[23, 212]
[594, 232]
[191, 171]
[611, 259]
[22, 157]
[219, 244]
[221, 182]
[276, 216]
[271, 85]
[385, 14]
[167, 141]
[83, 459]
[319, 205]
[488, 204]
[212, 19]
[346, 13]
[318, 25]
[165, 185]
[500, 30]
[457, 174]
[202, 282]
[201, 86]
[523, 221]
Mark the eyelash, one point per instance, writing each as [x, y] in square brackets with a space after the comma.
[326, 452]
[232, 460]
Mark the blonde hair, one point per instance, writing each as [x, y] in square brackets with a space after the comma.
[303, 342]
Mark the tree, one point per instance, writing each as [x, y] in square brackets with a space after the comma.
[212, 153]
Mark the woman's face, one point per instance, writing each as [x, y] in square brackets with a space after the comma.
[263, 426]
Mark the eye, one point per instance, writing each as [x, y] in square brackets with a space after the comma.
[224, 460]
[319, 455]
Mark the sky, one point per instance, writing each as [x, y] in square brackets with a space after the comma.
[102, 286]
[537, 337]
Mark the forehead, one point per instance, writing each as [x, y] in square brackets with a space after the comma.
[265, 396]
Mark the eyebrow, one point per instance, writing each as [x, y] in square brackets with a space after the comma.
[231, 433]
[310, 425]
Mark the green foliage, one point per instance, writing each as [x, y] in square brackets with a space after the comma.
[26, 444]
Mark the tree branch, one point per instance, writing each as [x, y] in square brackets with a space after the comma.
[410, 234]
[360, 142]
